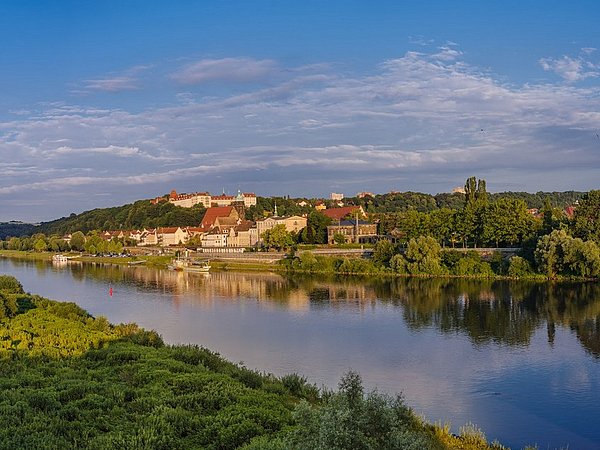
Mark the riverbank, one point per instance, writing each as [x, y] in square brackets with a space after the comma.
[316, 263]
[79, 381]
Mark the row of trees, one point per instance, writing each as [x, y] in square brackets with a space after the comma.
[79, 242]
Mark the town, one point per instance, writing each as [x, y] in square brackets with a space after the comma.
[225, 229]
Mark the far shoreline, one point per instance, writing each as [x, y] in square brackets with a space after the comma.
[161, 262]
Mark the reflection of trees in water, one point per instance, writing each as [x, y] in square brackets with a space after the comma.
[576, 306]
[502, 312]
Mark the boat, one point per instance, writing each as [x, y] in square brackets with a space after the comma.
[190, 265]
[59, 259]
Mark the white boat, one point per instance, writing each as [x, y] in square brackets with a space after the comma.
[59, 259]
[190, 265]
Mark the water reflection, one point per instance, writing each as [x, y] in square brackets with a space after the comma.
[487, 311]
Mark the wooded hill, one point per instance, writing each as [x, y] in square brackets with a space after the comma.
[143, 214]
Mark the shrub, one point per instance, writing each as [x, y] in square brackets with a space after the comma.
[10, 284]
[519, 267]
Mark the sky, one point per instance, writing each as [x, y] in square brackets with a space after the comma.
[105, 103]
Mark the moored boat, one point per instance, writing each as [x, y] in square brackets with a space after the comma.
[190, 265]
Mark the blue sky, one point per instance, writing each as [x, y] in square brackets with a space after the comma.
[104, 103]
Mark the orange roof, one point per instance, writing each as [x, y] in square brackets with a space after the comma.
[212, 213]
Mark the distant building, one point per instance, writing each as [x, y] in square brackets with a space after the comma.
[335, 196]
[458, 190]
[293, 224]
[212, 214]
[365, 194]
[340, 213]
[204, 198]
[352, 230]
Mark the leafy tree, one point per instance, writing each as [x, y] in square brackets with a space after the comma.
[470, 220]
[278, 237]
[40, 245]
[586, 219]
[339, 238]
[319, 223]
[549, 253]
[77, 241]
[383, 252]
[14, 243]
[351, 420]
[506, 222]
[423, 256]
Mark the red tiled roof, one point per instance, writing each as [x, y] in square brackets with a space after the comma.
[339, 213]
[212, 213]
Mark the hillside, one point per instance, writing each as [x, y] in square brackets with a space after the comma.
[143, 214]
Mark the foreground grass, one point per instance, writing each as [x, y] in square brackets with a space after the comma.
[69, 380]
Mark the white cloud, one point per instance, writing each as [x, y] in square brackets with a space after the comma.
[116, 84]
[415, 124]
[232, 70]
[571, 69]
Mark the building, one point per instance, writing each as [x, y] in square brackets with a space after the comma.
[352, 230]
[335, 196]
[212, 214]
[204, 198]
[340, 213]
[293, 224]
[189, 200]
[365, 194]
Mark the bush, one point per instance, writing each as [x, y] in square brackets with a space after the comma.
[10, 284]
[519, 267]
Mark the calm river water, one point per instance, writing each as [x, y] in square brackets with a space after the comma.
[519, 360]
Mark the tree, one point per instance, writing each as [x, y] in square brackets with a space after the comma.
[586, 219]
[319, 223]
[40, 245]
[423, 255]
[506, 221]
[549, 253]
[278, 237]
[339, 238]
[77, 241]
[470, 220]
[383, 252]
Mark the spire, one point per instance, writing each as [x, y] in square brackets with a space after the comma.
[276, 215]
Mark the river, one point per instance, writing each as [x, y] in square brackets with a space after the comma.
[520, 360]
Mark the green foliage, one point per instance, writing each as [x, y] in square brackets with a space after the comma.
[586, 219]
[77, 241]
[278, 237]
[121, 388]
[423, 256]
[339, 238]
[349, 420]
[9, 284]
[560, 254]
[138, 215]
[383, 252]
[519, 267]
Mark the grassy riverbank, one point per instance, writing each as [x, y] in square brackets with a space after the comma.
[70, 380]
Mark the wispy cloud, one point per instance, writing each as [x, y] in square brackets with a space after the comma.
[571, 69]
[231, 70]
[423, 121]
[115, 84]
